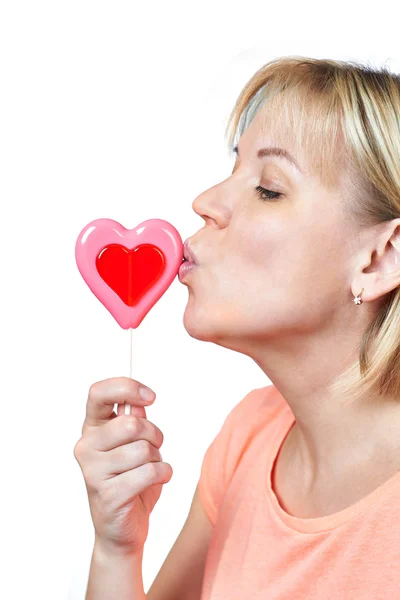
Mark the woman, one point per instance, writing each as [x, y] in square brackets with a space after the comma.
[303, 277]
[298, 268]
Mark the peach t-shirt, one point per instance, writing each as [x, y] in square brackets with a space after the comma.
[259, 551]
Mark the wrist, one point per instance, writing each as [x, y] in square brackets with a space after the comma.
[106, 550]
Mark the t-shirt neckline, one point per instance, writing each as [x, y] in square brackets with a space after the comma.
[318, 524]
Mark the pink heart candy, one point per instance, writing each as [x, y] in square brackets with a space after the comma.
[129, 270]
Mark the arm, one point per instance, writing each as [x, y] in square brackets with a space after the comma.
[115, 576]
[181, 574]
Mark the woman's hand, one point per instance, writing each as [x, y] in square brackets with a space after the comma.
[121, 464]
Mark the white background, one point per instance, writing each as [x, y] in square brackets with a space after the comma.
[118, 109]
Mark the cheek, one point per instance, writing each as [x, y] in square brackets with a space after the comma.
[262, 244]
[275, 258]
[251, 256]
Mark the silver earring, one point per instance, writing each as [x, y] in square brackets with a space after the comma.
[357, 299]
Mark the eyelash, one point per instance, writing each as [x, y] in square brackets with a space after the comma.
[261, 191]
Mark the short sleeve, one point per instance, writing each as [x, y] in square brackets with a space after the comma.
[223, 454]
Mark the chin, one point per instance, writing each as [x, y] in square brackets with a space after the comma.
[194, 326]
[200, 326]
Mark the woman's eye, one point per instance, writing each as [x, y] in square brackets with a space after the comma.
[265, 194]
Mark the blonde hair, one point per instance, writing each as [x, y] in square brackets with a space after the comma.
[344, 117]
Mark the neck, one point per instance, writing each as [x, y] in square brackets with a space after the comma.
[332, 437]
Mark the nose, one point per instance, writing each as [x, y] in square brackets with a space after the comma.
[211, 206]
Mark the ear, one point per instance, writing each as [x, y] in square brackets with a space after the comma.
[379, 262]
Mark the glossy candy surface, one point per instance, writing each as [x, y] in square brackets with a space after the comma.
[129, 270]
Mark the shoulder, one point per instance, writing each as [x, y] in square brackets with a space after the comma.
[259, 406]
[258, 411]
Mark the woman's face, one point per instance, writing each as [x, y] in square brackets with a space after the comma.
[268, 269]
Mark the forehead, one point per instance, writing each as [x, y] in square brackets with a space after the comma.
[267, 137]
[270, 126]
[310, 131]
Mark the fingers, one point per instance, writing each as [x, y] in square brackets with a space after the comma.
[119, 490]
[104, 394]
[129, 456]
[123, 430]
[123, 454]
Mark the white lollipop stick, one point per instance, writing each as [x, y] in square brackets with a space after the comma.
[128, 406]
[125, 408]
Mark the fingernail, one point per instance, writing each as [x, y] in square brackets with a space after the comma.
[146, 394]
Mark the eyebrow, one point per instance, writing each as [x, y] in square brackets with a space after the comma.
[274, 151]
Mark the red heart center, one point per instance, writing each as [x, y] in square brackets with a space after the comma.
[130, 273]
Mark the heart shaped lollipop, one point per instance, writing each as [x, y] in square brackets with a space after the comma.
[129, 269]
